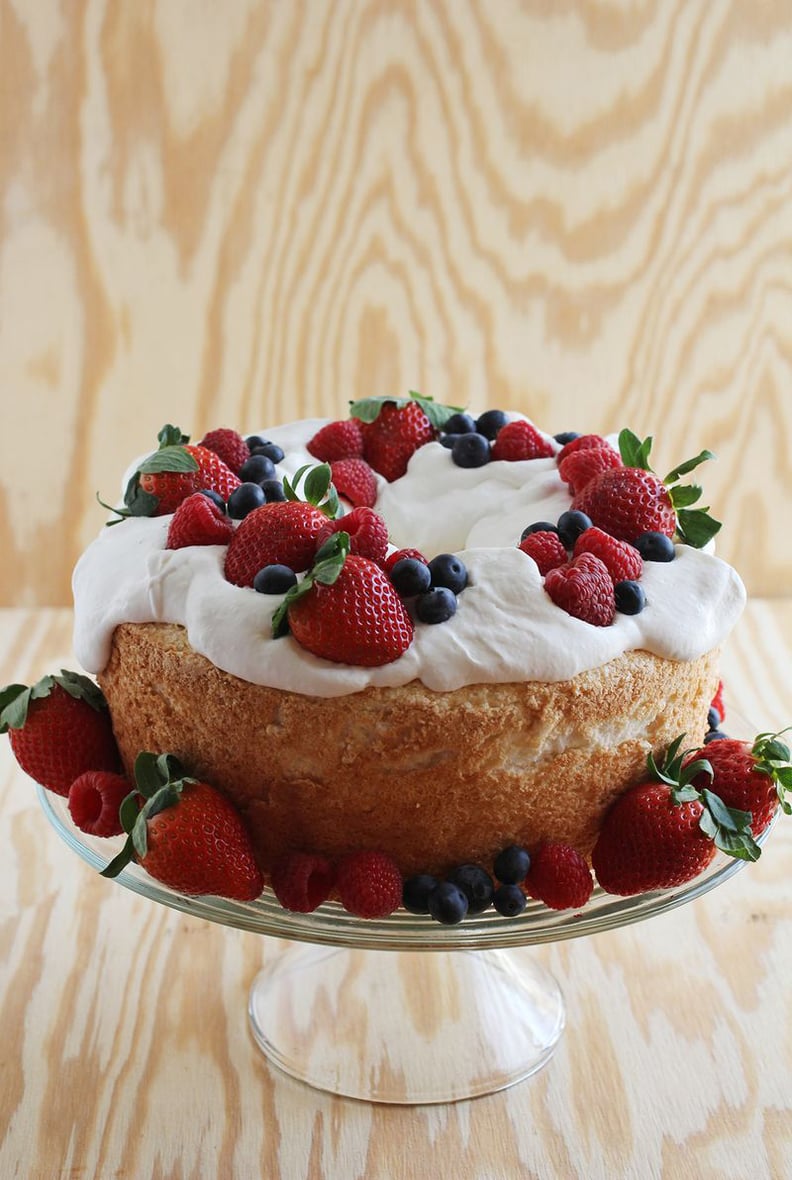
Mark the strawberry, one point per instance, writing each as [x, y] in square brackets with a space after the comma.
[583, 442]
[337, 440]
[369, 884]
[282, 533]
[559, 877]
[632, 500]
[520, 440]
[59, 728]
[95, 800]
[173, 473]
[718, 702]
[621, 560]
[213, 472]
[198, 521]
[186, 834]
[229, 446]
[579, 468]
[355, 481]
[393, 437]
[399, 554]
[368, 533]
[749, 777]
[546, 550]
[584, 590]
[301, 881]
[662, 832]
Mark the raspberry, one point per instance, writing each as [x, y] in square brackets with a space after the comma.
[94, 800]
[546, 550]
[302, 881]
[399, 554]
[198, 521]
[559, 877]
[623, 562]
[228, 446]
[584, 590]
[368, 533]
[580, 467]
[583, 442]
[337, 440]
[369, 884]
[520, 440]
[355, 481]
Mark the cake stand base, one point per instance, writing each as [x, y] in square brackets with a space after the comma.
[405, 1026]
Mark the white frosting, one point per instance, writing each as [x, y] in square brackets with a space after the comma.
[506, 627]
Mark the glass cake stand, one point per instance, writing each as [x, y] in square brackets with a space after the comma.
[404, 1027]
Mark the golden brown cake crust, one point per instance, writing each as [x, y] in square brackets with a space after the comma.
[434, 779]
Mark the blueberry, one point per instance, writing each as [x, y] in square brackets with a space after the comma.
[447, 903]
[715, 735]
[269, 450]
[509, 900]
[273, 491]
[448, 440]
[460, 424]
[256, 469]
[655, 547]
[410, 576]
[244, 499]
[447, 570]
[470, 450]
[215, 497]
[566, 436]
[274, 579]
[570, 525]
[630, 597]
[512, 864]
[476, 884]
[541, 526]
[713, 718]
[490, 422]
[415, 893]
[255, 440]
[437, 605]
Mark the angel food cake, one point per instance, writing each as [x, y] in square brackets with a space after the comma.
[469, 641]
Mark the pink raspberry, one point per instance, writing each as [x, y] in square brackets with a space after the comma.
[94, 801]
[559, 877]
[198, 521]
[369, 884]
[546, 550]
[622, 561]
[368, 533]
[520, 440]
[302, 881]
[584, 590]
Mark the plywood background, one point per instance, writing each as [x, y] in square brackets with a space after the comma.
[244, 212]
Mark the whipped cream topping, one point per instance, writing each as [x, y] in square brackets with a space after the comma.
[506, 628]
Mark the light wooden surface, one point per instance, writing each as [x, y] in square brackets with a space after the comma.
[126, 1052]
[238, 213]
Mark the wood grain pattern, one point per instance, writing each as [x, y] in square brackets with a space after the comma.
[241, 213]
[126, 1052]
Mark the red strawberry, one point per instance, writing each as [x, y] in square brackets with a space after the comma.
[622, 561]
[398, 554]
[355, 481]
[583, 442]
[166, 490]
[275, 534]
[358, 619]
[337, 440]
[368, 533]
[301, 881]
[581, 467]
[212, 472]
[718, 702]
[198, 521]
[95, 799]
[390, 441]
[559, 877]
[748, 777]
[173, 473]
[369, 884]
[229, 446]
[583, 589]
[520, 440]
[546, 550]
[58, 729]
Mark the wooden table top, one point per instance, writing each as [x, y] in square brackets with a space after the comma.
[126, 1049]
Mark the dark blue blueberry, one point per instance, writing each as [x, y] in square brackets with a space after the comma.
[447, 903]
[490, 422]
[541, 526]
[274, 579]
[273, 491]
[509, 900]
[269, 450]
[460, 424]
[244, 499]
[215, 497]
[630, 597]
[713, 718]
[415, 893]
[570, 525]
[715, 735]
[437, 605]
[255, 440]
[256, 469]
[470, 450]
[512, 864]
[655, 547]
[447, 570]
[566, 436]
[448, 440]
[476, 884]
[410, 576]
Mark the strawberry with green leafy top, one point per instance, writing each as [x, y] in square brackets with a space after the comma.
[753, 777]
[394, 428]
[172, 473]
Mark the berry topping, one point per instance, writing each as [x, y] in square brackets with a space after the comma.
[172, 473]
[355, 481]
[269, 450]
[629, 596]
[509, 900]
[545, 549]
[448, 570]
[399, 555]
[448, 904]
[274, 492]
[198, 521]
[512, 864]
[714, 718]
[369, 884]
[570, 526]
[274, 579]
[415, 894]
[337, 440]
[368, 533]
[302, 881]
[228, 446]
[654, 546]
[393, 435]
[476, 884]
[752, 778]
[215, 497]
[559, 877]
[621, 560]
[490, 423]
[539, 526]
[584, 590]
[470, 450]
[460, 423]
[582, 442]
[274, 534]
[521, 440]
[95, 799]
[257, 469]
[579, 468]
[566, 436]
[244, 499]
[410, 577]
[437, 605]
